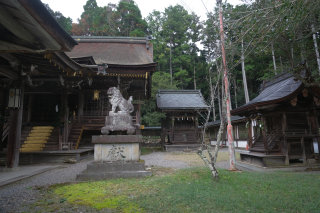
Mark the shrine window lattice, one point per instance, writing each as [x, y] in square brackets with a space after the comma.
[96, 107]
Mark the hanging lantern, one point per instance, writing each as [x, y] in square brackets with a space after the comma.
[14, 100]
[96, 95]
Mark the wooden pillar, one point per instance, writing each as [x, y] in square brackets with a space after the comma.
[284, 122]
[172, 121]
[3, 111]
[64, 120]
[80, 104]
[263, 118]
[317, 127]
[286, 152]
[196, 126]
[303, 151]
[249, 141]
[30, 107]
[14, 135]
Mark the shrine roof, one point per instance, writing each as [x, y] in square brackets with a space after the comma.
[282, 88]
[114, 50]
[180, 99]
[235, 118]
[29, 27]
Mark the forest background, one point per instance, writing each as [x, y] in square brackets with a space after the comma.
[263, 38]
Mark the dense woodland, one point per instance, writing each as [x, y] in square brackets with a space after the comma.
[270, 36]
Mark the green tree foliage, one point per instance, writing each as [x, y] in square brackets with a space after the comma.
[65, 22]
[123, 19]
[150, 115]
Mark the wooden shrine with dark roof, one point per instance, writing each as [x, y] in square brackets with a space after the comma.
[179, 130]
[282, 123]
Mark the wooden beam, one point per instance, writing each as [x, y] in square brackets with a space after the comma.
[9, 73]
[12, 24]
[19, 44]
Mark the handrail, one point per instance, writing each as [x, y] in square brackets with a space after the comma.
[254, 138]
[5, 130]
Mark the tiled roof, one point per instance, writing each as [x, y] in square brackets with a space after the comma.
[282, 88]
[114, 50]
[180, 99]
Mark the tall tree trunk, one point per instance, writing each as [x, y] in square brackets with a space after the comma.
[281, 64]
[244, 77]
[194, 76]
[235, 91]
[316, 47]
[171, 59]
[273, 57]
[212, 95]
[219, 103]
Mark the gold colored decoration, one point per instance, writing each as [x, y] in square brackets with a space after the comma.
[37, 139]
[316, 101]
[11, 94]
[305, 93]
[96, 95]
[294, 101]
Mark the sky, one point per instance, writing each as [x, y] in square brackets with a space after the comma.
[74, 8]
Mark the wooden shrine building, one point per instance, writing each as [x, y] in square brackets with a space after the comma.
[54, 86]
[181, 123]
[282, 123]
[240, 133]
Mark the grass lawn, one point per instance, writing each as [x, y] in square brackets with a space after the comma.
[192, 190]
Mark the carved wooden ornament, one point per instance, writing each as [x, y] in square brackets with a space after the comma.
[294, 101]
[305, 93]
[316, 101]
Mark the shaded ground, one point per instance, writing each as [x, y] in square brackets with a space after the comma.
[35, 195]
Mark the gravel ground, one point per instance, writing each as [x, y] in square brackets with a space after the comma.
[18, 196]
[15, 197]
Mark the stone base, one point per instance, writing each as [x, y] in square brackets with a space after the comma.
[111, 148]
[120, 121]
[103, 171]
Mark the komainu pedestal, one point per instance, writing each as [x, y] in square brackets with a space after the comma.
[115, 156]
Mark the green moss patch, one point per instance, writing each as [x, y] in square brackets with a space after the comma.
[192, 190]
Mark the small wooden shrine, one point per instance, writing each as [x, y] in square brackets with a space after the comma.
[282, 123]
[240, 133]
[181, 123]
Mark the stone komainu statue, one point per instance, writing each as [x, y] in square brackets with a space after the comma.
[116, 100]
[121, 120]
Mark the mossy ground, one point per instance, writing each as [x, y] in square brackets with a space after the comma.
[192, 190]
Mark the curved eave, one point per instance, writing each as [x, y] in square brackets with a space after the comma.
[38, 11]
[254, 106]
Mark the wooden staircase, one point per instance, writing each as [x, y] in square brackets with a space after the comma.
[84, 123]
[272, 142]
[39, 138]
